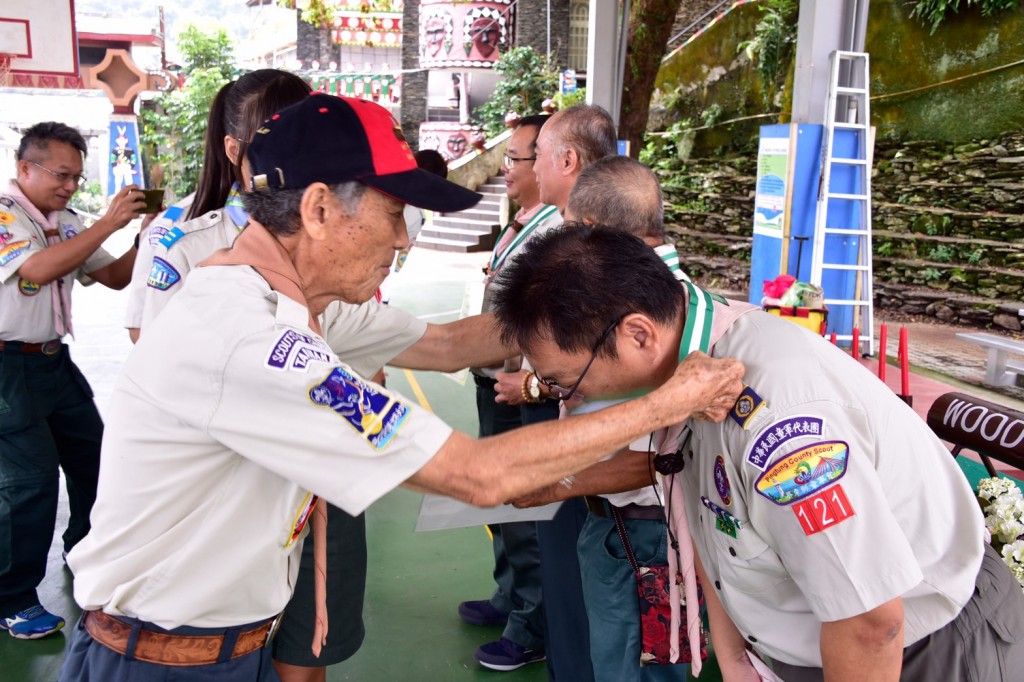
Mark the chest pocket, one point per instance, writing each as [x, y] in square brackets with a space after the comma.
[746, 563]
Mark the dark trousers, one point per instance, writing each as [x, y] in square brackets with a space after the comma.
[48, 421]
[516, 554]
[86, 660]
[565, 614]
[985, 642]
[346, 588]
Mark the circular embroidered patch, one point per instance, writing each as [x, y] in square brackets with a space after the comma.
[744, 406]
[27, 288]
[722, 481]
[6, 218]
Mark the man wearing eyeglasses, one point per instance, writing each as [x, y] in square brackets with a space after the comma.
[834, 533]
[47, 415]
[516, 603]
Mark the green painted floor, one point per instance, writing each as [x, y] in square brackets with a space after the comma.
[416, 580]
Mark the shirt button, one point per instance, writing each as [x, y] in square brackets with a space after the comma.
[718, 585]
[732, 551]
[752, 638]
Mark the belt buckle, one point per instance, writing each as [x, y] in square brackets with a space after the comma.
[275, 625]
[50, 348]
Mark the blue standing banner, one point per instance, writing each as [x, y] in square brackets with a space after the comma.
[125, 161]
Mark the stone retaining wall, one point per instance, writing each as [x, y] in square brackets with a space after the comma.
[948, 226]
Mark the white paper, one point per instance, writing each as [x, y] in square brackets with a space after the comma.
[443, 513]
[762, 669]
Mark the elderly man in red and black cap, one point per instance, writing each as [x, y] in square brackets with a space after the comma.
[232, 415]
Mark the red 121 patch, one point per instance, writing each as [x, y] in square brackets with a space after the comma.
[824, 510]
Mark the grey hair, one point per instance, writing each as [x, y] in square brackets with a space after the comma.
[278, 210]
[588, 130]
[621, 193]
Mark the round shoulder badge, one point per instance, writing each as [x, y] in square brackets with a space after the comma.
[27, 288]
[722, 481]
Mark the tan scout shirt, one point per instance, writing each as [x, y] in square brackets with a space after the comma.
[840, 497]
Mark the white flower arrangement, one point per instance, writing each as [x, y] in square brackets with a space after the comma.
[1003, 505]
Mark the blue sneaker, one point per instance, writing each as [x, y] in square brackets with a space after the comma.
[481, 613]
[506, 655]
[32, 623]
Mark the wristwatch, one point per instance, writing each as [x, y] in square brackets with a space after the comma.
[531, 388]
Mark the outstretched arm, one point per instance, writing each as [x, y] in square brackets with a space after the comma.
[58, 260]
[469, 342]
[489, 471]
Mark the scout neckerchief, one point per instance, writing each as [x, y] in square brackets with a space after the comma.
[696, 336]
[49, 225]
[258, 249]
[498, 259]
[235, 209]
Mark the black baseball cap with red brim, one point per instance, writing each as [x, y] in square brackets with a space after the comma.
[332, 139]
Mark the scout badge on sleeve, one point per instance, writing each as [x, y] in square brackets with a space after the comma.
[781, 432]
[747, 405]
[804, 472]
[375, 416]
[162, 275]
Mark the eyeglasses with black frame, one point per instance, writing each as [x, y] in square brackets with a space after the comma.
[509, 161]
[62, 178]
[564, 394]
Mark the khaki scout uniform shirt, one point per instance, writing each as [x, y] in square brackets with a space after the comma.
[366, 336]
[840, 496]
[211, 446]
[161, 225]
[26, 308]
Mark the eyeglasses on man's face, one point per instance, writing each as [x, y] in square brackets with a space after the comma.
[62, 178]
[566, 394]
[509, 161]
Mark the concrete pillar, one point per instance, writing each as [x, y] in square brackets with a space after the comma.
[825, 26]
[603, 84]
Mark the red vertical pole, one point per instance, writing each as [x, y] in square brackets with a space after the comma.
[904, 364]
[883, 337]
[855, 344]
[832, 338]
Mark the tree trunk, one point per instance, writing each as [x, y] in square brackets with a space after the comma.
[650, 27]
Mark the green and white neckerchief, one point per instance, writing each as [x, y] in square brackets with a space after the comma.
[498, 259]
[699, 316]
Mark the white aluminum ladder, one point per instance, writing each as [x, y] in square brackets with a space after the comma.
[848, 224]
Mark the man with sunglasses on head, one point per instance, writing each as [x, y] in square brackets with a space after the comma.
[47, 416]
[516, 603]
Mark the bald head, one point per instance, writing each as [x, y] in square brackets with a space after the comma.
[572, 140]
[622, 193]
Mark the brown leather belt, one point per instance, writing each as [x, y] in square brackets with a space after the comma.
[602, 507]
[45, 348]
[172, 650]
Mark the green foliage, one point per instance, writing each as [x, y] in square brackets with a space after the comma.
[568, 100]
[202, 50]
[885, 249]
[712, 115]
[930, 275]
[527, 79]
[941, 254]
[974, 257]
[934, 12]
[173, 130]
[661, 150]
[89, 199]
[772, 44]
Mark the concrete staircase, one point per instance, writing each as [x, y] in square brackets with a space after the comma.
[475, 229]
